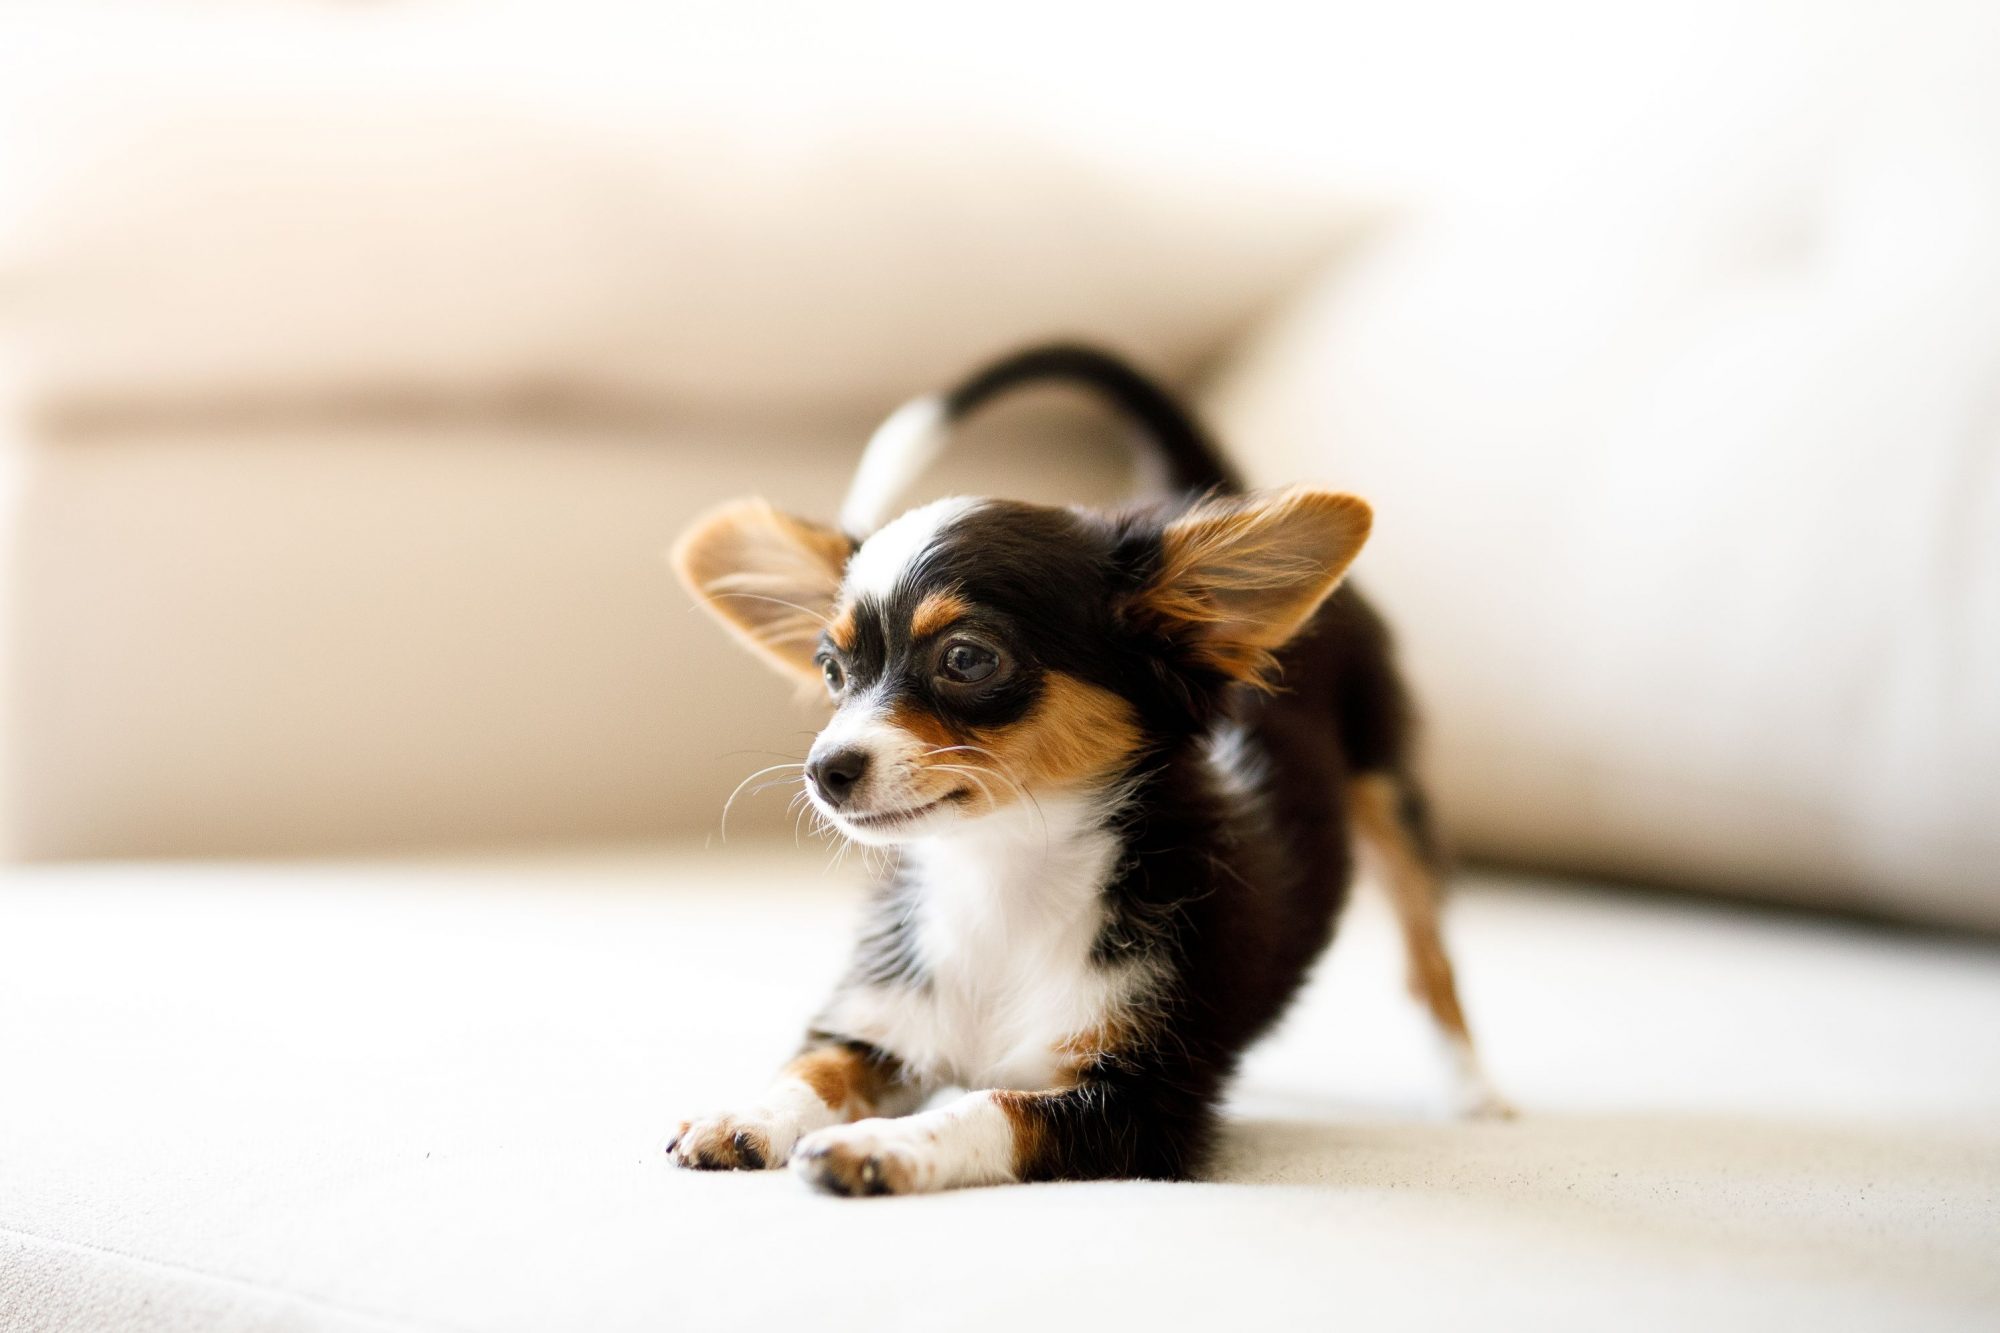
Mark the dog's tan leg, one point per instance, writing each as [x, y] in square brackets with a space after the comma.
[1385, 813]
[831, 1082]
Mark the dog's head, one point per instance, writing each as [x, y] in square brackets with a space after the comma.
[982, 653]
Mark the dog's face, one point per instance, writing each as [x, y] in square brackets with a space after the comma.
[984, 653]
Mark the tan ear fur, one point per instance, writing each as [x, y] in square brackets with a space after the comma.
[771, 579]
[1240, 575]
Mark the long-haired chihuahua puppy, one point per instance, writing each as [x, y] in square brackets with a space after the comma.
[1121, 754]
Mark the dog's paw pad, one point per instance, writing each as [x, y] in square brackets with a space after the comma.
[724, 1143]
[840, 1161]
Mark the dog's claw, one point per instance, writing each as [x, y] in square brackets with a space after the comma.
[726, 1143]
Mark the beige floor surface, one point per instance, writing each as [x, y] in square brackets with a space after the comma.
[426, 1096]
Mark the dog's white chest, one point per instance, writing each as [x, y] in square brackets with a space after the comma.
[1004, 924]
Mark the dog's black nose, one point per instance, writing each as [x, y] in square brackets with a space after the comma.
[837, 774]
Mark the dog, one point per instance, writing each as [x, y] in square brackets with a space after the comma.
[1120, 753]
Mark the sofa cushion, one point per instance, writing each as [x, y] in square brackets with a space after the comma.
[1688, 498]
[294, 636]
[316, 202]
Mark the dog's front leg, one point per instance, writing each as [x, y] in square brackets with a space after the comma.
[830, 1082]
[1091, 1131]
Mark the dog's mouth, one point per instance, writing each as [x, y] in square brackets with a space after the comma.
[888, 819]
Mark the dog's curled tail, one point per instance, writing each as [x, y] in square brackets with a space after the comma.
[1182, 455]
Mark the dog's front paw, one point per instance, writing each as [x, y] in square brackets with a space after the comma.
[749, 1142]
[868, 1157]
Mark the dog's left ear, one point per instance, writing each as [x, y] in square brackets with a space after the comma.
[1240, 575]
[771, 579]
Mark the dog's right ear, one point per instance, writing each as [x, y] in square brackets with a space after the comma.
[771, 579]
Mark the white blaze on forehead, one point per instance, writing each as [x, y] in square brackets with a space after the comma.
[876, 567]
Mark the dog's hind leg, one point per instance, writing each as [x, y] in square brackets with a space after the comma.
[1390, 814]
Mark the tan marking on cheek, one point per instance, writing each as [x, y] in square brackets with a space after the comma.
[926, 726]
[936, 612]
[978, 792]
[1076, 733]
[1031, 1143]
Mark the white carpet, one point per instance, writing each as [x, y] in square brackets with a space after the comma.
[425, 1096]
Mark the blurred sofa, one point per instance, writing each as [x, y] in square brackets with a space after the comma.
[352, 428]
[360, 373]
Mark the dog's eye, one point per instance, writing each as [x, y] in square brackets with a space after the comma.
[835, 677]
[967, 663]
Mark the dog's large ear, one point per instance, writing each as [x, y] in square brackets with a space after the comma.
[1239, 575]
[771, 579]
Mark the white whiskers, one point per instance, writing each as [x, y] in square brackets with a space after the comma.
[731, 802]
[997, 770]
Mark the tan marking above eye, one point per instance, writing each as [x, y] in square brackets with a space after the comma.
[841, 628]
[937, 612]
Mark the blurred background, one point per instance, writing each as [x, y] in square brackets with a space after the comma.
[364, 918]
[362, 359]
